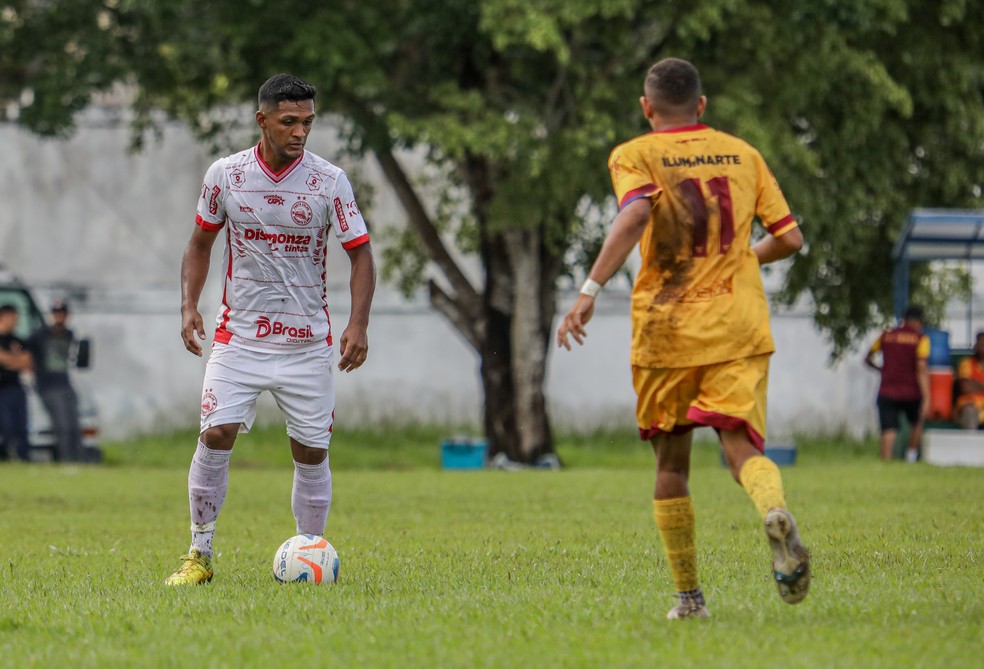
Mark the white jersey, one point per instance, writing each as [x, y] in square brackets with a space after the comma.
[276, 231]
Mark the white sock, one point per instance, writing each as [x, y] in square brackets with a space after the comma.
[311, 497]
[208, 481]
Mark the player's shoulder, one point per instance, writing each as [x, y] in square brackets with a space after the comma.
[316, 163]
[733, 143]
[232, 161]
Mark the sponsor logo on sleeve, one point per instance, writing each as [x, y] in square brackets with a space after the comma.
[314, 181]
[213, 201]
[238, 178]
[340, 215]
[301, 213]
[353, 209]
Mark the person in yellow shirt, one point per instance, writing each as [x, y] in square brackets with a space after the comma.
[970, 386]
[701, 341]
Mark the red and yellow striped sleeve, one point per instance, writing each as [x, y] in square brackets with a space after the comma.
[631, 177]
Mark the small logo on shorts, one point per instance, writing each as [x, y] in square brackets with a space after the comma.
[209, 403]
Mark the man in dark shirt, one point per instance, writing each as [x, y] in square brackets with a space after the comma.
[904, 385]
[51, 347]
[14, 359]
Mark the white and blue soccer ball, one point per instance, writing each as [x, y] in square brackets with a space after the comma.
[306, 558]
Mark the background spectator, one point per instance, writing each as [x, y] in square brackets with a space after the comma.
[14, 359]
[904, 385]
[52, 347]
[970, 388]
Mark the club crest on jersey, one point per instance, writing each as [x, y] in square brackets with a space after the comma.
[340, 215]
[238, 177]
[274, 199]
[209, 403]
[301, 213]
[265, 327]
[314, 181]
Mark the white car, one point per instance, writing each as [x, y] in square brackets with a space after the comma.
[39, 430]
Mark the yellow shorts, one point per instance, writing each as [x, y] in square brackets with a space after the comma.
[726, 396]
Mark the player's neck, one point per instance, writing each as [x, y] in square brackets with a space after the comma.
[275, 162]
[661, 124]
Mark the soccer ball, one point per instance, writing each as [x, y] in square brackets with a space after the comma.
[306, 558]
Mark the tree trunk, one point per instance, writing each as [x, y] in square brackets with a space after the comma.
[509, 321]
[519, 308]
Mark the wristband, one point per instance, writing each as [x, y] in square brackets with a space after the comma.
[590, 288]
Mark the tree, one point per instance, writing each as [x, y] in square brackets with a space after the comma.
[864, 109]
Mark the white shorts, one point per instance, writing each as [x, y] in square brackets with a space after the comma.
[302, 384]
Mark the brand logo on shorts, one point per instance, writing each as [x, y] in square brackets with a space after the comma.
[265, 327]
[301, 213]
[209, 403]
[274, 199]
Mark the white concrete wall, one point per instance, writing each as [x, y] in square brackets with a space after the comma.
[87, 219]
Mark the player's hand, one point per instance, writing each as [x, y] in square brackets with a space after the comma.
[924, 409]
[575, 320]
[354, 348]
[192, 326]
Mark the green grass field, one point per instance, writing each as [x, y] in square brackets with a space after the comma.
[486, 569]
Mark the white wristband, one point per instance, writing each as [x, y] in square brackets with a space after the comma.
[590, 288]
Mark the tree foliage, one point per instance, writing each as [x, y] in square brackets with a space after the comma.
[863, 108]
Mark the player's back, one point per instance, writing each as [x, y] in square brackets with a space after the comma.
[698, 297]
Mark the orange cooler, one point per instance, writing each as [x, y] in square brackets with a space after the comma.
[940, 393]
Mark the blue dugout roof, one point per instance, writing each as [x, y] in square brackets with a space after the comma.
[935, 234]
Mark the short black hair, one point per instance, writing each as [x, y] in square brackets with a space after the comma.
[673, 86]
[914, 313]
[7, 308]
[282, 87]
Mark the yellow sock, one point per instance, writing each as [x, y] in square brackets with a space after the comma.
[675, 520]
[762, 481]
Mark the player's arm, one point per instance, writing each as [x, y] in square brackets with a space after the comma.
[770, 249]
[626, 231]
[194, 271]
[869, 359]
[17, 359]
[362, 284]
[922, 377]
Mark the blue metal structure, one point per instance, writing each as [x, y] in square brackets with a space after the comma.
[935, 234]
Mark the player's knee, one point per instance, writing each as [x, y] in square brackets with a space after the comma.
[220, 437]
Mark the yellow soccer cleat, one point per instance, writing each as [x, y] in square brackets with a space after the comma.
[195, 569]
[790, 560]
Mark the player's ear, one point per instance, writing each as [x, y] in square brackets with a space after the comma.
[701, 105]
[647, 109]
[261, 119]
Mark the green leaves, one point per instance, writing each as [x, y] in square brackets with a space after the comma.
[864, 109]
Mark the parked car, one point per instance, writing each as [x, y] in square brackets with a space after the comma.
[39, 431]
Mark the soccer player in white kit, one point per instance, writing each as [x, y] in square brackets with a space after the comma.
[276, 203]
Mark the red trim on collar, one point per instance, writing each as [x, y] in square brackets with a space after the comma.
[682, 128]
[275, 177]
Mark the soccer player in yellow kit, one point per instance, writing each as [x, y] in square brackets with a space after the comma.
[688, 195]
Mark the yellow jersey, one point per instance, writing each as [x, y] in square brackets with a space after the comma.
[698, 298]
